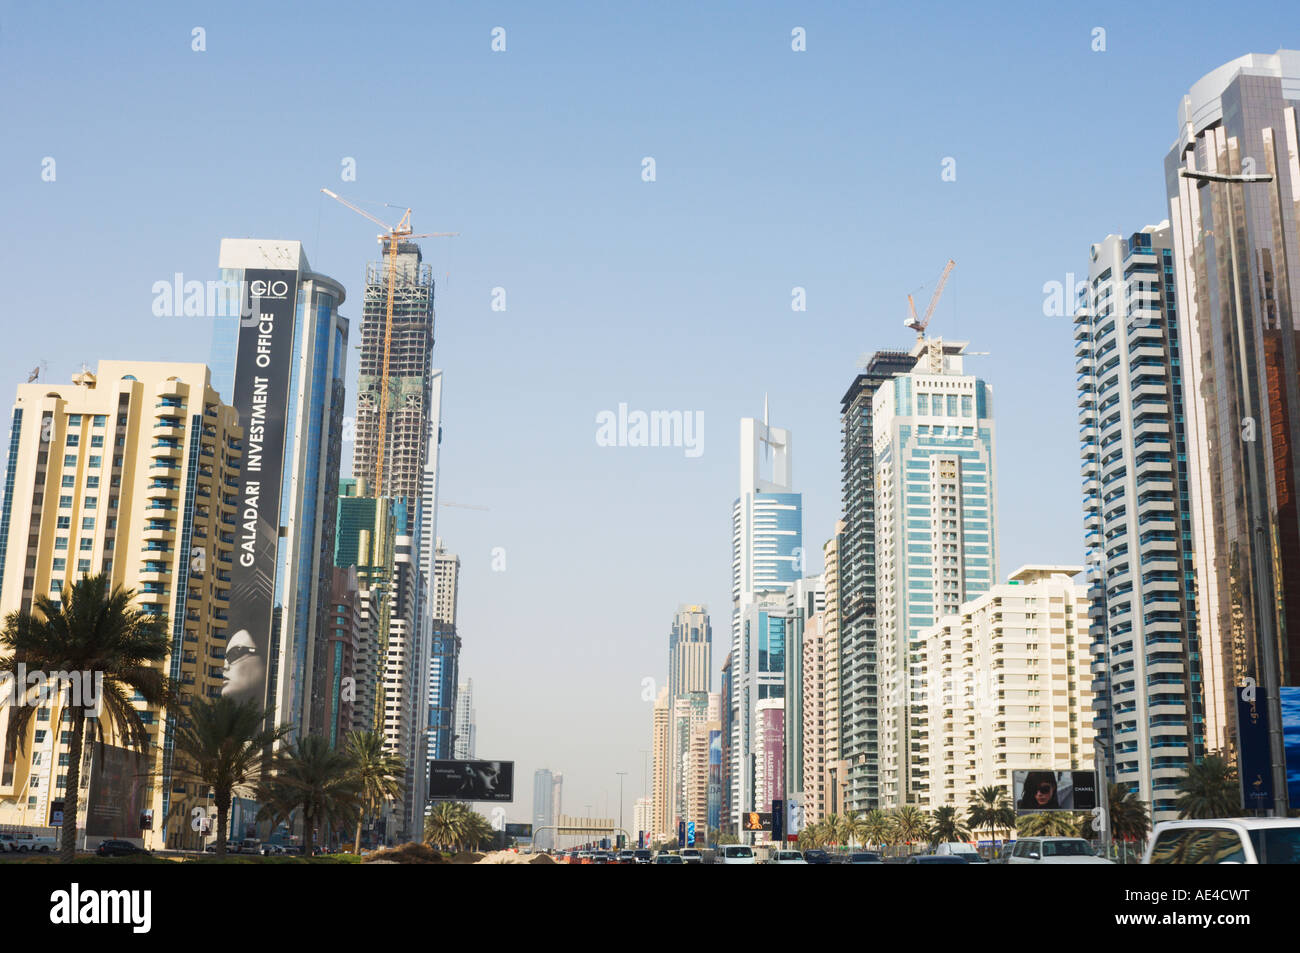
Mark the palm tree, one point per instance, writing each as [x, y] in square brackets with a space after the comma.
[1210, 789]
[446, 824]
[318, 779]
[876, 827]
[851, 827]
[378, 772]
[477, 830]
[1129, 818]
[1049, 824]
[91, 630]
[912, 824]
[947, 825]
[831, 825]
[992, 810]
[223, 745]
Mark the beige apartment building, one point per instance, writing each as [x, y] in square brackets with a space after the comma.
[129, 470]
[1007, 686]
[834, 786]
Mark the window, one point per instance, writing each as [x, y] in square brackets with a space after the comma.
[91, 502]
[73, 440]
[92, 482]
[42, 714]
[88, 522]
[68, 481]
[83, 566]
[922, 404]
[61, 542]
[40, 736]
[65, 502]
[95, 460]
[74, 420]
[98, 439]
[69, 459]
[100, 420]
[63, 522]
[86, 544]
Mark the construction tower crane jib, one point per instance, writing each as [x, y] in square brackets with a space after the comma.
[393, 236]
[920, 324]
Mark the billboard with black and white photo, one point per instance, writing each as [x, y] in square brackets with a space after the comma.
[118, 780]
[263, 366]
[1034, 791]
[451, 780]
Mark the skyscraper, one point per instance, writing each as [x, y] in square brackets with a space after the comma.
[1149, 693]
[805, 599]
[286, 382]
[690, 645]
[464, 748]
[935, 535]
[767, 555]
[408, 351]
[544, 809]
[1237, 263]
[856, 656]
[444, 655]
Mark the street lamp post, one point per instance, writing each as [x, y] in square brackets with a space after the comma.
[1258, 537]
[621, 775]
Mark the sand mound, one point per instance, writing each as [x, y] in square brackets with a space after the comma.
[466, 857]
[412, 853]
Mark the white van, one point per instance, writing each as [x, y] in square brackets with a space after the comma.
[1231, 840]
[735, 854]
[1053, 850]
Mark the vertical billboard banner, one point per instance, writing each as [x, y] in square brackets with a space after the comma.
[1252, 737]
[1291, 741]
[118, 778]
[263, 364]
[715, 780]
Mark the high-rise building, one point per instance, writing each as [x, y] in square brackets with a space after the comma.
[690, 644]
[641, 818]
[688, 765]
[725, 803]
[367, 530]
[932, 431]
[812, 785]
[285, 365]
[1148, 691]
[858, 653]
[403, 731]
[804, 599]
[407, 347]
[661, 758]
[464, 748]
[544, 809]
[130, 471]
[1237, 266]
[767, 556]
[1008, 687]
[344, 638]
[444, 656]
[834, 779]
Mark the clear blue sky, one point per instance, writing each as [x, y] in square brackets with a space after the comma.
[775, 169]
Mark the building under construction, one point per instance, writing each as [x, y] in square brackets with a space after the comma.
[405, 430]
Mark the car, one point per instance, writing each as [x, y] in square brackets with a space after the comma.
[271, 850]
[663, 857]
[787, 857]
[210, 849]
[600, 857]
[1053, 850]
[816, 857]
[936, 859]
[119, 848]
[864, 857]
[627, 857]
[1233, 840]
[736, 854]
[959, 849]
[692, 855]
[643, 855]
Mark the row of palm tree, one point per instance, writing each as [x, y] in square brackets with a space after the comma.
[219, 745]
[456, 826]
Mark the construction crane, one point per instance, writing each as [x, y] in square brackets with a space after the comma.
[919, 324]
[393, 235]
[463, 506]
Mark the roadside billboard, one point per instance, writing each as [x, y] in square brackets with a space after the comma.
[118, 778]
[451, 780]
[1035, 791]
